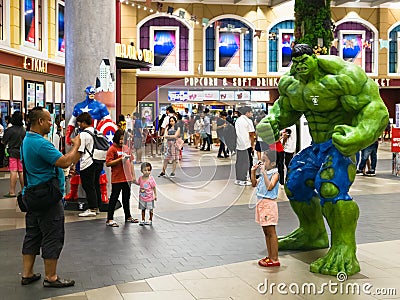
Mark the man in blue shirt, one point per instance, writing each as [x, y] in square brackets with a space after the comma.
[44, 229]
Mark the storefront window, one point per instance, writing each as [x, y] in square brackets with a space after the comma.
[280, 38]
[34, 94]
[60, 26]
[394, 50]
[169, 38]
[356, 43]
[229, 46]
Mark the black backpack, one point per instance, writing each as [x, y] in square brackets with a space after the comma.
[100, 147]
[230, 137]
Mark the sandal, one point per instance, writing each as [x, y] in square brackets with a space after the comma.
[267, 262]
[131, 220]
[8, 195]
[112, 223]
[29, 280]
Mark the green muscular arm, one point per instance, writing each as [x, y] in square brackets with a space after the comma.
[281, 115]
[370, 117]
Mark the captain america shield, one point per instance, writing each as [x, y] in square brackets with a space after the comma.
[108, 128]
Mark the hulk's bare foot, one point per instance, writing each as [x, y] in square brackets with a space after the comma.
[301, 239]
[341, 258]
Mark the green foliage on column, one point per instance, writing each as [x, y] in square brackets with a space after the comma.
[313, 21]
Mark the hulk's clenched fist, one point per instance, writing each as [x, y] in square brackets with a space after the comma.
[345, 114]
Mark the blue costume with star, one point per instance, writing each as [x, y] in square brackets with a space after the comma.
[99, 112]
[96, 109]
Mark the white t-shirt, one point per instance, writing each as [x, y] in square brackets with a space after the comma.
[166, 120]
[129, 123]
[86, 142]
[290, 145]
[243, 126]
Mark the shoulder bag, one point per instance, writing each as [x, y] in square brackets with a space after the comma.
[40, 197]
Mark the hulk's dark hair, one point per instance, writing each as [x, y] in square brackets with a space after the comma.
[300, 49]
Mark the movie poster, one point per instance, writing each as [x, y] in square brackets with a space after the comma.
[352, 48]
[61, 37]
[229, 50]
[165, 48]
[29, 18]
[146, 111]
[286, 40]
[30, 95]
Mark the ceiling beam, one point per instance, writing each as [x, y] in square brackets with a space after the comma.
[340, 2]
[379, 2]
[277, 2]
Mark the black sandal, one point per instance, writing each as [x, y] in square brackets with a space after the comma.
[29, 280]
[59, 283]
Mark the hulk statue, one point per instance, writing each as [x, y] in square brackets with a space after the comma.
[345, 114]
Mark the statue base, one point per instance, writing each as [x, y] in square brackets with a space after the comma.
[81, 205]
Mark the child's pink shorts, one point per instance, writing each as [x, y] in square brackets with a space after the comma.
[267, 212]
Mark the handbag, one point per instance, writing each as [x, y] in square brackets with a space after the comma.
[179, 143]
[40, 197]
[203, 135]
[43, 196]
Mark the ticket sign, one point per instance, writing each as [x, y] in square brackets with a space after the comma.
[395, 139]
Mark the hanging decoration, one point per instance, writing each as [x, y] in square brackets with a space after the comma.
[366, 45]
[170, 10]
[184, 15]
[204, 21]
[383, 44]
[257, 33]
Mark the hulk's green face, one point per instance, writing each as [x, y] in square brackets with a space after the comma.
[304, 65]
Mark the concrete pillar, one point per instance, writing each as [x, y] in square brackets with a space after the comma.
[89, 38]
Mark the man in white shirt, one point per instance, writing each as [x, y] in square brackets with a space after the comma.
[245, 143]
[129, 123]
[170, 112]
[89, 170]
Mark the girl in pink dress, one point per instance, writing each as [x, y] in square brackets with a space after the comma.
[147, 193]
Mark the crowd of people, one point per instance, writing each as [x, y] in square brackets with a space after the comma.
[257, 163]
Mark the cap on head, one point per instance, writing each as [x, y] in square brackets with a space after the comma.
[90, 90]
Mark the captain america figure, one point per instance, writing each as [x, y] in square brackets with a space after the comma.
[96, 109]
[101, 117]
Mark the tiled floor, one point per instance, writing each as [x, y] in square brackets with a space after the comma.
[204, 243]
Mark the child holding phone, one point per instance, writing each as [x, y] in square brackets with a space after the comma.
[267, 208]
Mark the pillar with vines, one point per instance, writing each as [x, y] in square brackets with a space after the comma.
[313, 25]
